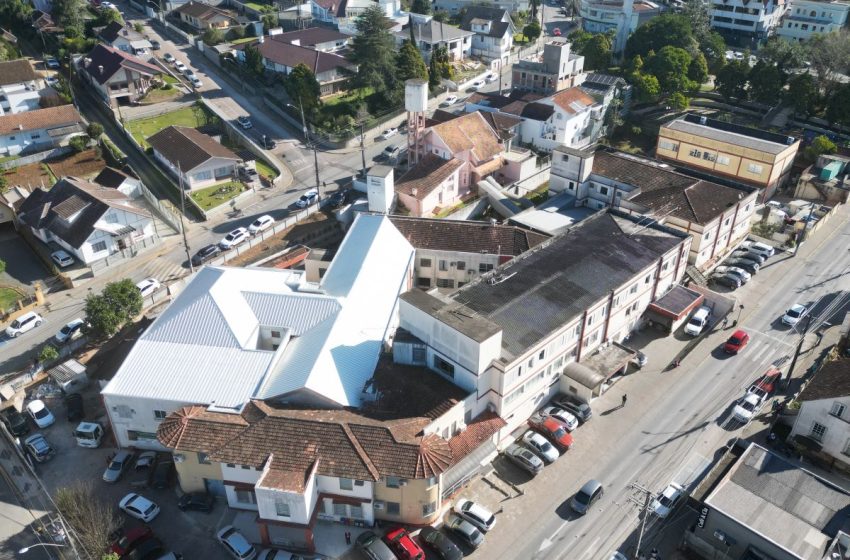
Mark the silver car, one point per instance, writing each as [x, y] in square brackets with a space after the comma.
[541, 446]
[117, 466]
[524, 459]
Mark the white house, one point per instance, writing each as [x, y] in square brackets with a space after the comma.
[125, 38]
[87, 220]
[804, 18]
[114, 179]
[494, 33]
[744, 23]
[117, 76]
[38, 130]
[193, 156]
[823, 423]
[19, 87]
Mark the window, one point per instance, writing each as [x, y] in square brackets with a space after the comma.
[818, 431]
[355, 511]
[419, 355]
[603, 191]
[203, 176]
[346, 484]
[99, 246]
[485, 267]
[275, 334]
[393, 508]
[425, 263]
[722, 160]
[541, 355]
[245, 467]
[668, 145]
[648, 279]
[633, 289]
[444, 265]
[281, 508]
[339, 510]
[245, 496]
[695, 153]
[159, 414]
[429, 509]
[754, 168]
[203, 458]
[392, 481]
[847, 448]
[838, 409]
[423, 282]
[359, 483]
[445, 283]
[444, 366]
[461, 265]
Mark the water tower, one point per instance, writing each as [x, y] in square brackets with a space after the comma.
[415, 102]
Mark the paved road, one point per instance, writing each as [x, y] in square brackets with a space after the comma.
[673, 424]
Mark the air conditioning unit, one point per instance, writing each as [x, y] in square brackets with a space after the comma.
[402, 483]
[179, 457]
[378, 505]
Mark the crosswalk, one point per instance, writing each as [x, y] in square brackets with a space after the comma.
[164, 270]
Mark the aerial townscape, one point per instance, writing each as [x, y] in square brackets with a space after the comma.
[424, 279]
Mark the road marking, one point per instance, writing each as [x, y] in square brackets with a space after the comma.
[780, 341]
[590, 550]
[549, 541]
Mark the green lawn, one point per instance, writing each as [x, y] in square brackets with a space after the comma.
[256, 6]
[520, 39]
[243, 40]
[217, 195]
[156, 95]
[8, 298]
[144, 128]
[355, 95]
[169, 79]
[266, 170]
[8, 158]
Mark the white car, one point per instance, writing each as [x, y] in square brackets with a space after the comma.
[740, 273]
[188, 72]
[261, 224]
[244, 122]
[179, 66]
[148, 286]
[450, 100]
[747, 407]
[476, 514]
[541, 446]
[26, 322]
[234, 238]
[559, 413]
[236, 543]
[139, 507]
[759, 248]
[388, 133]
[40, 414]
[664, 503]
[196, 83]
[698, 321]
[793, 315]
[169, 58]
[308, 198]
[490, 78]
[477, 84]
[70, 331]
[61, 258]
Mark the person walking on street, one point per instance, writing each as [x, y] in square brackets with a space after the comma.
[625, 398]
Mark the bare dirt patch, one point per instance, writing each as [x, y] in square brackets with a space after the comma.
[32, 175]
[84, 165]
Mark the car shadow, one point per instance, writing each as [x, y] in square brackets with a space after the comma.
[509, 472]
[565, 512]
[720, 354]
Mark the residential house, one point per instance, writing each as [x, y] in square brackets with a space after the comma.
[729, 151]
[432, 184]
[452, 253]
[116, 76]
[193, 157]
[609, 88]
[125, 38]
[87, 220]
[718, 217]
[532, 327]
[804, 18]
[267, 334]
[823, 422]
[455, 6]
[202, 16]
[10, 203]
[622, 17]
[328, 11]
[343, 13]
[432, 34]
[827, 180]
[757, 503]
[43, 22]
[19, 87]
[317, 38]
[744, 24]
[39, 130]
[494, 33]
[534, 115]
[281, 56]
[557, 69]
[112, 178]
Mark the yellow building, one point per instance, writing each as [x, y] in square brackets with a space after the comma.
[729, 151]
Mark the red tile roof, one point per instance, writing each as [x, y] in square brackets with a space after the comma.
[466, 236]
[52, 117]
[573, 100]
[477, 432]
[427, 175]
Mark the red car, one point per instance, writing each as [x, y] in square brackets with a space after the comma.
[404, 547]
[736, 342]
[131, 539]
[766, 383]
[553, 429]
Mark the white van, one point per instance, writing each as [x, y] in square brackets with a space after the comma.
[762, 249]
[89, 434]
[698, 321]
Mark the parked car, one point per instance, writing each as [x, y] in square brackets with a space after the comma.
[155, 45]
[578, 407]
[196, 82]
[490, 78]
[62, 258]
[179, 66]
[372, 547]
[476, 514]
[553, 429]
[116, 467]
[449, 100]
[541, 446]
[169, 58]
[205, 254]
[759, 248]
[235, 543]
[746, 255]
[587, 496]
[70, 331]
[766, 384]
[308, 199]
[234, 238]
[143, 469]
[664, 503]
[390, 153]
[244, 122]
[163, 475]
[149, 549]
[262, 223]
[339, 198]
[148, 286]
[524, 459]
[388, 133]
[476, 85]
[468, 533]
[742, 274]
[727, 280]
[74, 407]
[40, 414]
[737, 342]
[440, 543]
[139, 507]
[15, 422]
[748, 265]
[196, 501]
[698, 321]
[26, 322]
[794, 314]
[38, 448]
[127, 540]
[570, 421]
[52, 63]
[404, 547]
[267, 143]
[188, 72]
[747, 407]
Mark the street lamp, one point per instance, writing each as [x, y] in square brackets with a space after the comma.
[26, 549]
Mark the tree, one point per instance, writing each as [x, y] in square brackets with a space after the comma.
[784, 54]
[235, 33]
[254, 60]
[696, 14]
[94, 129]
[421, 7]
[373, 50]
[765, 83]
[803, 94]
[829, 56]
[79, 143]
[670, 65]
[532, 31]
[838, 105]
[441, 16]
[698, 69]
[409, 63]
[433, 73]
[115, 305]
[108, 16]
[713, 48]
[302, 87]
[678, 101]
[15, 11]
[820, 145]
[731, 81]
[665, 30]
[4, 186]
[646, 86]
[89, 515]
[48, 354]
[69, 14]
[596, 48]
[213, 36]
[270, 21]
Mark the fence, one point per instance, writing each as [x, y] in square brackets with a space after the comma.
[99, 267]
[35, 158]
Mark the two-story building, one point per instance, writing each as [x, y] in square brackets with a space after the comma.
[728, 151]
[195, 158]
[557, 69]
[116, 76]
[575, 117]
[744, 23]
[542, 322]
[494, 33]
[125, 38]
[804, 18]
[19, 87]
[432, 34]
[717, 217]
[39, 129]
[201, 16]
[620, 16]
[87, 220]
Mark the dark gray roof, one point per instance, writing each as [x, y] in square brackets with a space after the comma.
[604, 79]
[458, 317]
[501, 20]
[103, 61]
[16, 71]
[466, 236]
[110, 178]
[547, 287]
[187, 147]
[435, 32]
[830, 382]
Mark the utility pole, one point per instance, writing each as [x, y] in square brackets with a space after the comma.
[363, 147]
[808, 321]
[313, 146]
[182, 223]
[644, 509]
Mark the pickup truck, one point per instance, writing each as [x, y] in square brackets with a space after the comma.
[142, 472]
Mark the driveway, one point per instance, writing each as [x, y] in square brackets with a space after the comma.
[23, 267]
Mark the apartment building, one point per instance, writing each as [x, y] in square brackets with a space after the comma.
[729, 151]
[804, 18]
[620, 16]
[556, 69]
[744, 23]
